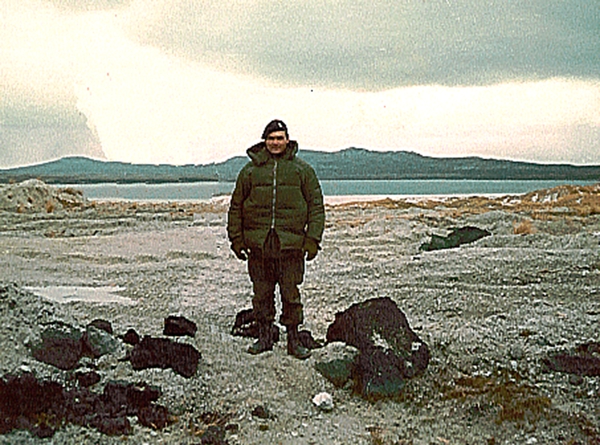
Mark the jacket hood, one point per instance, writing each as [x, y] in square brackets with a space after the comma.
[259, 155]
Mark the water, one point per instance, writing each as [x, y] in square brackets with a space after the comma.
[381, 189]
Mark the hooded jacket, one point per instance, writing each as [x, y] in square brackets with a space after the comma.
[276, 192]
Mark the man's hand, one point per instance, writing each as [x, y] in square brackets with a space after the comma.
[310, 248]
[240, 250]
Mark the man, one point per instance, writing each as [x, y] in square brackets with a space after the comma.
[275, 221]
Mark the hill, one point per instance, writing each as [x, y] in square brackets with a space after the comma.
[349, 164]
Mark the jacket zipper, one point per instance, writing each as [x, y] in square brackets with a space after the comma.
[274, 194]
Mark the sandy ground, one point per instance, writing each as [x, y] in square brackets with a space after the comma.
[490, 312]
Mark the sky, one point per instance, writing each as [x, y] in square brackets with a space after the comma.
[196, 81]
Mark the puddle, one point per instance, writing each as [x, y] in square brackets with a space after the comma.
[66, 294]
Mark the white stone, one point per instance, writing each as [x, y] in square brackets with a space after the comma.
[323, 401]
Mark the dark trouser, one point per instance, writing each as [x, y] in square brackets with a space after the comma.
[287, 270]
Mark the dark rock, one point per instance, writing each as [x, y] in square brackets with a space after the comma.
[379, 375]
[261, 412]
[64, 353]
[44, 406]
[26, 403]
[574, 364]
[63, 345]
[164, 353]
[87, 379]
[128, 398]
[177, 326]
[131, 337]
[307, 340]
[103, 325]
[245, 326]
[337, 371]
[455, 238]
[390, 351]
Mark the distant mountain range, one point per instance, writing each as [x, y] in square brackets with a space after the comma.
[349, 164]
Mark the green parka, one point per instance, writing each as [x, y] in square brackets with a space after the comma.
[280, 192]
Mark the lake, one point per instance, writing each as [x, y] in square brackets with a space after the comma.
[365, 189]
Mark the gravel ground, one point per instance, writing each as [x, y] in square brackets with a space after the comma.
[490, 311]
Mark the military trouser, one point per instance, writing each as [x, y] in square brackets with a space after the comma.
[286, 270]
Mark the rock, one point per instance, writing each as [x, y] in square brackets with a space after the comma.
[262, 413]
[323, 401]
[103, 325]
[163, 353]
[98, 342]
[131, 337]
[379, 374]
[336, 362]
[574, 364]
[86, 379]
[307, 340]
[389, 349]
[455, 238]
[64, 353]
[63, 345]
[154, 416]
[176, 326]
[338, 371]
[245, 326]
[43, 406]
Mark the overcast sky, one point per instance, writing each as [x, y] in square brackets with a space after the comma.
[196, 81]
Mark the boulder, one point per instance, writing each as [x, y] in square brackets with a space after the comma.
[164, 353]
[390, 351]
[455, 238]
[63, 345]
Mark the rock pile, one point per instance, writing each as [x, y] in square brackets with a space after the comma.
[42, 405]
[34, 196]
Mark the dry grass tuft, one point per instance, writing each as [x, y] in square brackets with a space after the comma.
[513, 401]
[525, 227]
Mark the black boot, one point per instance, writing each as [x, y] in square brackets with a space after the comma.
[294, 347]
[265, 339]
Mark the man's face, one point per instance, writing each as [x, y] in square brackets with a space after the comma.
[276, 142]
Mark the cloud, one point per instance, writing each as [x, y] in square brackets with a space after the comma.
[32, 133]
[88, 5]
[379, 45]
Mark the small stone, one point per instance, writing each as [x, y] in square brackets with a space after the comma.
[323, 401]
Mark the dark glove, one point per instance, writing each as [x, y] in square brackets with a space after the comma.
[310, 248]
[240, 250]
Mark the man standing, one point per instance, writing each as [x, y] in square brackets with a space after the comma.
[275, 221]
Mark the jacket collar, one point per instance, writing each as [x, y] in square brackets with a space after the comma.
[259, 154]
